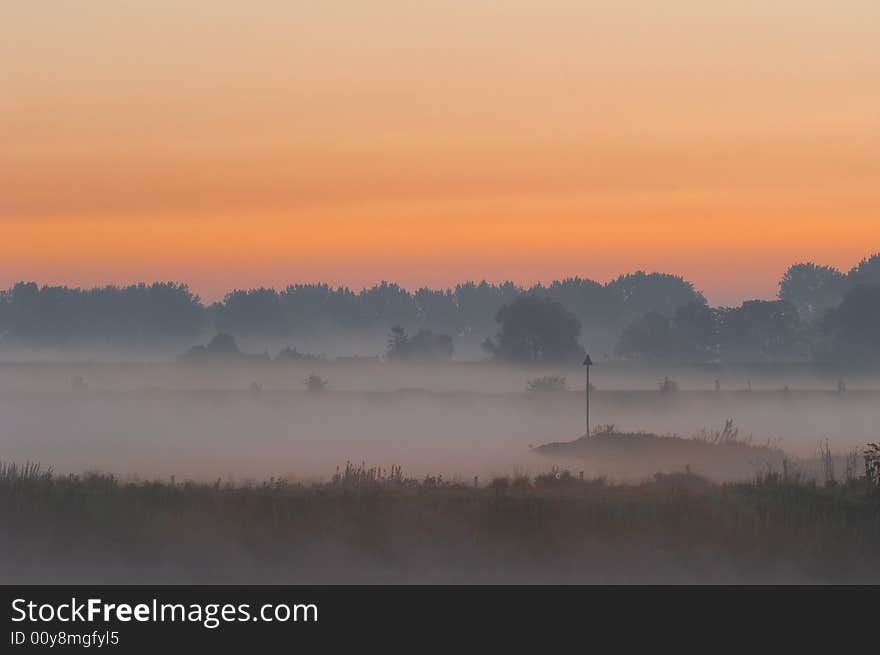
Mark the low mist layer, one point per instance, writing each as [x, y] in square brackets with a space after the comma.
[253, 421]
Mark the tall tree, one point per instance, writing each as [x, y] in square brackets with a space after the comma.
[398, 344]
[761, 330]
[536, 329]
[639, 293]
[648, 337]
[257, 312]
[812, 289]
[696, 332]
[866, 271]
[855, 325]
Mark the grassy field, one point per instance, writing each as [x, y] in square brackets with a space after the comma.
[372, 525]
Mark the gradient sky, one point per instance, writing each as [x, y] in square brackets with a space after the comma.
[231, 143]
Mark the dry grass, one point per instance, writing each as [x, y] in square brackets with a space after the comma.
[379, 525]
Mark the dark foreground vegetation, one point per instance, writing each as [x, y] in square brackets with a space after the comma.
[372, 525]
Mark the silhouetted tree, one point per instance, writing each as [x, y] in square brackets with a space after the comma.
[640, 293]
[398, 344]
[691, 335]
[387, 303]
[136, 315]
[310, 309]
[425, 345]
[855, 325]
[151, 314]
[221, 346]
[695, 329]
[536, 329]
[812, 289]
[667, 385]
[438, 308]
[648, 337]
[761, 330]
[169, 314]
[590, 301]
[257, 312]
[479, 303]
[866, 271]
[315, 383]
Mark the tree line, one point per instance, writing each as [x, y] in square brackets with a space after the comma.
[820, 313]
[153, 314]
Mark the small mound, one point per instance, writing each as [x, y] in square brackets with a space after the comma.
[641, 455]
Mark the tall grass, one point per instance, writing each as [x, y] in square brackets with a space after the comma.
[377, 524]
[10, 472]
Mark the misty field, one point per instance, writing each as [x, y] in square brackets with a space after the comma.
[760, 481]
[201, 422]
[376, 525]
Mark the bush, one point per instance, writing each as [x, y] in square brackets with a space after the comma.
[668, 385]
[547, 383]
[315, 383]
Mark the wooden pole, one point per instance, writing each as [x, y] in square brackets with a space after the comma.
[588, 401]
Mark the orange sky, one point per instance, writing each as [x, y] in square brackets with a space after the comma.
[261, 143]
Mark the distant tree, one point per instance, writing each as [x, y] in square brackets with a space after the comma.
[648, 337]
[812, 289]
[690, 335]
[387, 303]
[855, 325]
[5, 305]
[640, 293]
[695, 330]
[479, 303]
[310, 309]
[866, 271]
[437, 308]
[168, 313]
[221, 346]
[257, 312]
[425, 345]
[667, 385]
[398, 344]
[535, 329]
[289, 354]
[547, 383]
[761, 330]
[315, 383]
[590, 301]
[136, 315]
